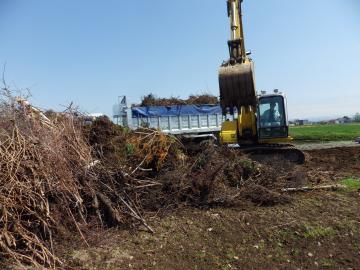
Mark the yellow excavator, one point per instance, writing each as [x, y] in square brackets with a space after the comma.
[257, 122]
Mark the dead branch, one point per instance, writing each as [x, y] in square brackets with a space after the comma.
[305, 189]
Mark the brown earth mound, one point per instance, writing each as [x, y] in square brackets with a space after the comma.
[264, 197]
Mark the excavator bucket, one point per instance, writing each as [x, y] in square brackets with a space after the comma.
[237, 86]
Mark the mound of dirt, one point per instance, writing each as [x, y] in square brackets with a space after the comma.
[107, 140]
[263, 196]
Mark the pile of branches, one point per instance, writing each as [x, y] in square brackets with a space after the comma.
[131, 150]
[40, 166]
[152, 100]
[50, 178]
[57, 173]
[174, 173]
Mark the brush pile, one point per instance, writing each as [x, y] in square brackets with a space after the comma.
[152, 100]
[49, 176]
[58, 174]
[40, 166]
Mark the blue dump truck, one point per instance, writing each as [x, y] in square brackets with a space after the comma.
[188, 120]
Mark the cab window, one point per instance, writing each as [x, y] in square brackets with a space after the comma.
[271, 112]
[271, 118]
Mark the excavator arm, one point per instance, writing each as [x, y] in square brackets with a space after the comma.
[236, 76]
[236, 43]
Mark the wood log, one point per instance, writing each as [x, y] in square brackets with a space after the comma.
[305, 189]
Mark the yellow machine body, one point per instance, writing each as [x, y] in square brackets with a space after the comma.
[237, 90]
[257, 123]
[228, 134]
[243, 130]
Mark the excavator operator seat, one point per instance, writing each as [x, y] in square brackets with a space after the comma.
[272, 117]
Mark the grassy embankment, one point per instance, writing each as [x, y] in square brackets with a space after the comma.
[326, 132]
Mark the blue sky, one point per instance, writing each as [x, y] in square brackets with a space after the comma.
[90, 52]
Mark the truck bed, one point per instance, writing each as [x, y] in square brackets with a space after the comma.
[176, 119]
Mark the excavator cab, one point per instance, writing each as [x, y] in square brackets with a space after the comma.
[272, 119]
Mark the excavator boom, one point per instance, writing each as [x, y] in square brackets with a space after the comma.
[237, 33]
[236, 76]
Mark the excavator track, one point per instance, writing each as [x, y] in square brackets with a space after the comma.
[286, 151]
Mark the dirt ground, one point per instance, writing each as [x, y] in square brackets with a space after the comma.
[325, 145]
[315, 230]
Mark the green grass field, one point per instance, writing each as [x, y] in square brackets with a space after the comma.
[325, 132]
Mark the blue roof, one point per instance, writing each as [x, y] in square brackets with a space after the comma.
[175, 110]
